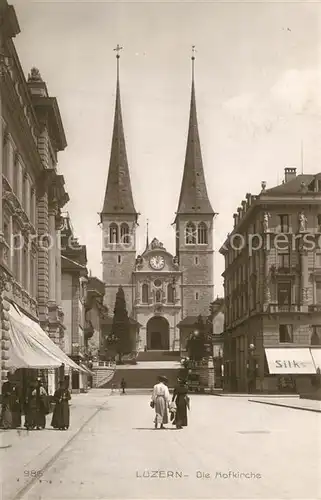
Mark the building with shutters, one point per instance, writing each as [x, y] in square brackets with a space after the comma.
[32, 196]
[272, 283]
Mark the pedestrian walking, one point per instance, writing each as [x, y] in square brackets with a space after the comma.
[123, 385]
[181, 400]
[61, 414]
[37, 406]
[160, 402]
[11, 405]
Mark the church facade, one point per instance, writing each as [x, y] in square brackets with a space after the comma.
[163, 291]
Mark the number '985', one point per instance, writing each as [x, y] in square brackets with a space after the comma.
[33, 473]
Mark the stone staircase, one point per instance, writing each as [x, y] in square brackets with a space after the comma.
[144, 374]
[103, 373]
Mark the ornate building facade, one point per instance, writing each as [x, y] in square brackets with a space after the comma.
[272, 283]
[32, 192]
[161, 290]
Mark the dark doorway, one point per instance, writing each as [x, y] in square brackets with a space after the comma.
[156, 341]
[158, 334]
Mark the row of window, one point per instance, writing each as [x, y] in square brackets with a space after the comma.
[284, 261]
[196, 234]
[238, 306]
[119, 234]
[171, 294]
[284, 222]
[20, 182]
[193, 234]
[286, 334]
[158, 294]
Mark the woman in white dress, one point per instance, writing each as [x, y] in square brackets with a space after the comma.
[160, 401]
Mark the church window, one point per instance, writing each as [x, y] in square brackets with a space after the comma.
[113, 233]
[119, 259]
[145, 293]
[124, 233]
[170, 293]
[157, 283]
[158, 296]
[190, 234]
[196, 295]
[196, 260]
[202, 234]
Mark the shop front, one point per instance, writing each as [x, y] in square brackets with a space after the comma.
[290, 370]
[33, 354]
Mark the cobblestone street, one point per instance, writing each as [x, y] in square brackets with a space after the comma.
[118, 454]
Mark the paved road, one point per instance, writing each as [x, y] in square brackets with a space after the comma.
[278, 447]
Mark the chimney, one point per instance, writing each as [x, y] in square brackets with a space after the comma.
[289, 174]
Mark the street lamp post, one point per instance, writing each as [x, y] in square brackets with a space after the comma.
[251, 369]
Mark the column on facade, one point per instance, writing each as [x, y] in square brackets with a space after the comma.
[26, 264]
[51, 381]
[19, 174]
[2, 136]
[58, 267]
[304, 278]
[52, 255]
[27, 196]
[10, 159]
[267, 291]
[20, 246]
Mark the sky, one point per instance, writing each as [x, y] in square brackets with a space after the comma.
[257, 79]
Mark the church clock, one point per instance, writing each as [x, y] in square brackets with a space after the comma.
[157, 262]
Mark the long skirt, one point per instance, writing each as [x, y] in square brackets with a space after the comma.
[6, 417]
[35, 417]
[161, 415]
[61, 416]
[180, 419]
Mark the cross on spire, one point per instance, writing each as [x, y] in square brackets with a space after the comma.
[193, 59]
[117, 49]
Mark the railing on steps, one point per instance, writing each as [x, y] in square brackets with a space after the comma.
[104, 371]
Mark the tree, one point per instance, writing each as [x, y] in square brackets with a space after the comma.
[121, 325]
[197, 340]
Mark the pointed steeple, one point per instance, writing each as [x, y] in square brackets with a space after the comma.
[118, 194]
[193, 198]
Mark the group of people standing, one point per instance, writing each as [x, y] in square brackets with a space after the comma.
[163, 403]
[35, 405]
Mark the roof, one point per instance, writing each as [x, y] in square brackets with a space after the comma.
[191, 321]
[71, 265]
[193, 197]
[303, 183]
[118, 194]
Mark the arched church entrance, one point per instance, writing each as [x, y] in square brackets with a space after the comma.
[158, 334]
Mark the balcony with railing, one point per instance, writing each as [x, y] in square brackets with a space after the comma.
[315, 308]
[283, 308]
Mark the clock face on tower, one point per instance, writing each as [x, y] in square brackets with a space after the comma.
[157, 262]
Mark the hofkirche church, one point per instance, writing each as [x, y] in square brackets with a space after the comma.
[164, 293]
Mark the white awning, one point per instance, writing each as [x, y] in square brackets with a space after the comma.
[316, 355]
[290, 360]
[30, 346]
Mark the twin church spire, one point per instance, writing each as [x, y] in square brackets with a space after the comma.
[118, 195]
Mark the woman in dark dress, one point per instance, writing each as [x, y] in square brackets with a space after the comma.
[61, 414]
[11, 405]
[181, 399]
[37, 407]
